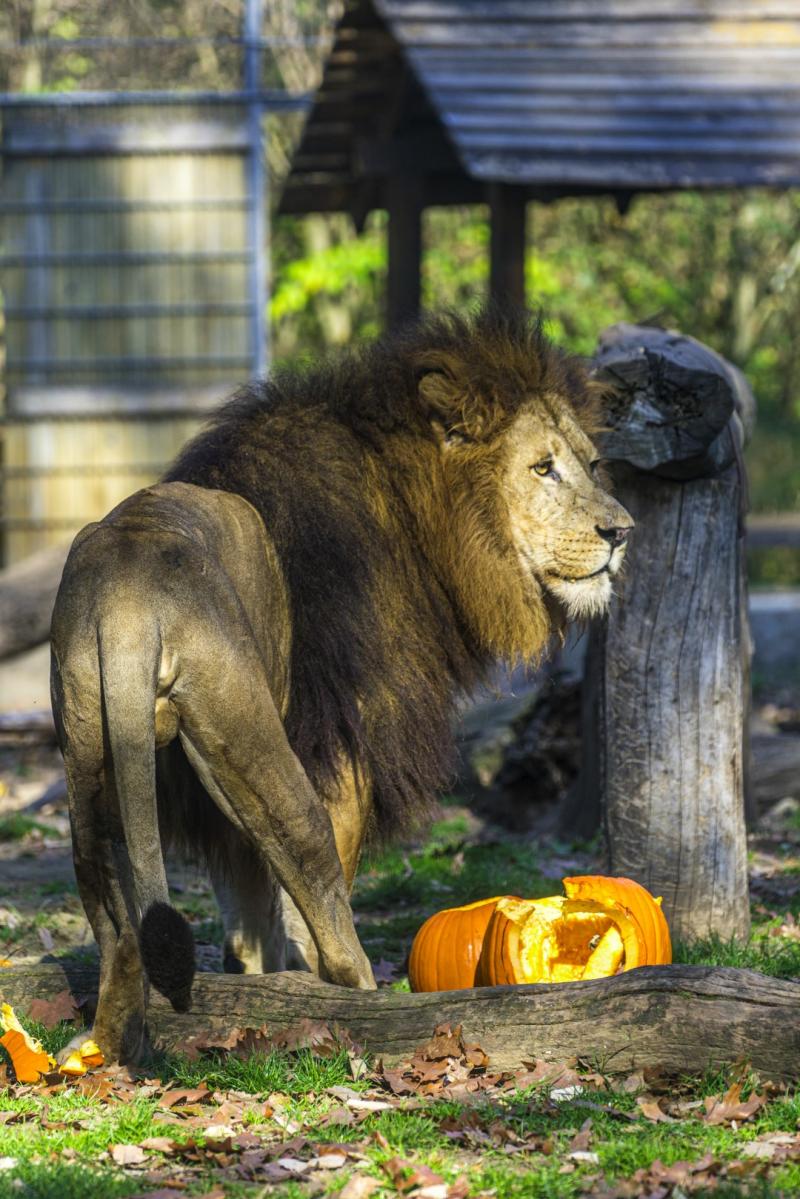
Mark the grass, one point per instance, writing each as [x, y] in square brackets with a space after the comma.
[774, 956]
[16, 826]
[300, 1073]
[395, 892]
[398, 889]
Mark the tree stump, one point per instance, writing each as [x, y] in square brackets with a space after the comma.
[668, 674]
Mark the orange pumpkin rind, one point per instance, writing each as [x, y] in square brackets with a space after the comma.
[447, 948]
[30, 1060]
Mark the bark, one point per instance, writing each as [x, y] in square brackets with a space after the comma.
[673, 687]
[676, 408]
[681, 1017]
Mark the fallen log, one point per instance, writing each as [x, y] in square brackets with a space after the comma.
[27, 594]
[683, 1018]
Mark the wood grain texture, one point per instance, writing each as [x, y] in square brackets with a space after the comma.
[681, 1017]
[673, 744]
[673, 402]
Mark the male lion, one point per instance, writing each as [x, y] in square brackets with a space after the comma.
[257, 659]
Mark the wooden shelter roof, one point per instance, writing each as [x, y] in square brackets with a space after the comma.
[560, 96]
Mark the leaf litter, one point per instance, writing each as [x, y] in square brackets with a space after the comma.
[233, 1136]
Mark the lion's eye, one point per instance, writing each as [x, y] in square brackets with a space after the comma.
[543, 468]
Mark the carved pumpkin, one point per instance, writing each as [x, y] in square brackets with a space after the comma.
[601, 927]
[444, 956]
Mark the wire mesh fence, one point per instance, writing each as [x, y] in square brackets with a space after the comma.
[134, 261]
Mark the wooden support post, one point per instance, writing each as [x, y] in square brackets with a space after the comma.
[665, 747]
[507, 211]
[403, 286]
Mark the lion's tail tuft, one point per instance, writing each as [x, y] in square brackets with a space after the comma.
[167, 947]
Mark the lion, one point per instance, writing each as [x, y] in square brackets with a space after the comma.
[257, 660]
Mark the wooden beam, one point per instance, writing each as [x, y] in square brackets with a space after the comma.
[507, 209]
[681, 1018]
[403, 287]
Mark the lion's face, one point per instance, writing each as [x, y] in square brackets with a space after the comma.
[568, 532]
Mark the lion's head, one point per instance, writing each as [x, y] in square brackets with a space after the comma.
[566, 528]
[513, 417]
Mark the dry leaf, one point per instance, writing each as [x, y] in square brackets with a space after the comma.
[329, 1161]
[51, 1012]
[581, 1141]
[360, 1186]
[727, 1108]
[184, 1095]
[127, 1155]
[774, 1147]
[652, 1110]
[159, 1144]
[385, 972]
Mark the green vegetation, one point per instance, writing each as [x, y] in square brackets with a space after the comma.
[540, 1130]
[16, 826]
[512, 1139]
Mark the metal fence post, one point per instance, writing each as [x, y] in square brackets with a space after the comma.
[257, 188]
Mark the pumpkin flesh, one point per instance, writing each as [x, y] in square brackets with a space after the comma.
[598, 929]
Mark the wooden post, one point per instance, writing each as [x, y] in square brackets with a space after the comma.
[668, 673]
[404, 202]
[507, 211]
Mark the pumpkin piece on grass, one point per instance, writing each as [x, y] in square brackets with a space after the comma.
[84, 1058]
[29, 1059]
[446, 950]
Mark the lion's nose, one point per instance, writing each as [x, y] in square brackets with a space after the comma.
[615, 536]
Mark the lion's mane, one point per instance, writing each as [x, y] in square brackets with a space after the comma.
[402, 583]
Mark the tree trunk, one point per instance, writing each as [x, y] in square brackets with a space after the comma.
[674, 719]
[683, 1018]
[668, 676]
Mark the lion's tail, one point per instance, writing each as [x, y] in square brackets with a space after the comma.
[129, 659]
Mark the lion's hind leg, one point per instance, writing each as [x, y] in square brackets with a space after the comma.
[239, 750]
[249, 899]
[102, 873]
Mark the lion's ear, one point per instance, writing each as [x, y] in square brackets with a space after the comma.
[439, 393]
[444, 402]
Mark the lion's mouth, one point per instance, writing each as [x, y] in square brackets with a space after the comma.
[583, 578]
